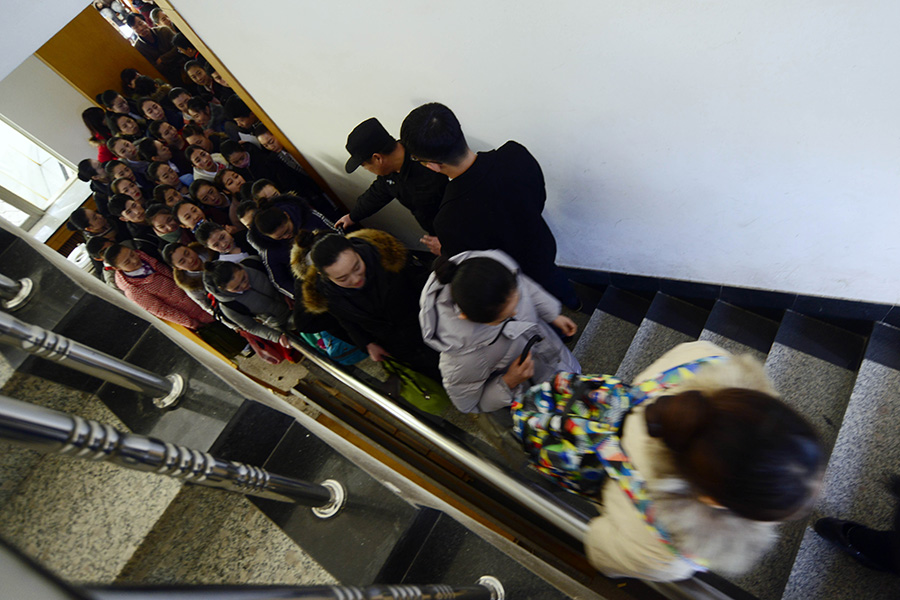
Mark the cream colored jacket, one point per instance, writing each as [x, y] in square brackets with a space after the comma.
[619, 543]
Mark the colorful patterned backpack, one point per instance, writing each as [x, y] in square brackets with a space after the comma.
[569, 427]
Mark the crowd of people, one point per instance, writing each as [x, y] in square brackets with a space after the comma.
[204, 219]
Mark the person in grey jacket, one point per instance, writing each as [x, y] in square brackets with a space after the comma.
[247, 298]
[479, 311]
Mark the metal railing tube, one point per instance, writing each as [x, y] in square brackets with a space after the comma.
[52, 346]
[558, 513]
[54, 431]
[9, 288]
[14, 294]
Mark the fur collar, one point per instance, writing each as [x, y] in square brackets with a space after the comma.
[391, 252]
[729, 542]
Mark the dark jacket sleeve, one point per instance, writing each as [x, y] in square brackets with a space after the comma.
[372, 200]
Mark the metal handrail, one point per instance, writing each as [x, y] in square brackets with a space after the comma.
[559, 514]
[55, 431]
[15, 294]
[75, 355]
[486, 588]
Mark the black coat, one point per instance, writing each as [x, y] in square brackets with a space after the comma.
[417, 188]
[496, 205]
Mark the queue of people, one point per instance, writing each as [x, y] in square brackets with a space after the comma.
[203, 218]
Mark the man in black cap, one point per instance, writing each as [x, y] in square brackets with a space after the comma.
[417, 188]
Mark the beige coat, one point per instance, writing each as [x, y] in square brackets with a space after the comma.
[619, 544]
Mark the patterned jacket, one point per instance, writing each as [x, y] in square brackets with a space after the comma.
[158, 294]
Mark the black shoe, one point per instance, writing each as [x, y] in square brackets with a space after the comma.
[838, 533]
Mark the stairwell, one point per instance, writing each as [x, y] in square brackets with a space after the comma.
[844, 381]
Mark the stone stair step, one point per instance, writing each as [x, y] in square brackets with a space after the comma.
[608, 334]
[739, 331]
[865, 453]
[669, 322]
[813, 365]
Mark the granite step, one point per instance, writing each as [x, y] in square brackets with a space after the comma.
[813, 366]
[739, 331]
[669, 322]
[865, 453]
[608, 334]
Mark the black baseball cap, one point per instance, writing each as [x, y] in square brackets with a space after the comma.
[366, 139]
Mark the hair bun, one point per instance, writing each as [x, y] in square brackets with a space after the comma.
[678, 419]
[445, 269]
[304, 238]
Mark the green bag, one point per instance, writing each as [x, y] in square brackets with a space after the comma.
[421, 391]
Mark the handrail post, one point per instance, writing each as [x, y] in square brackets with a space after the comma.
[15, 294]
[50, 345]
[63, 433]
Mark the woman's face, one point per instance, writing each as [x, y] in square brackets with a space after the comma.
[221, 241]
[172, 198]
[232, 181]
[203, 161]
[127, 125]
[130, 188]
[125, 149]
[189, 215]
[163, 224]
[168, 133]
[348, 271]
[199, 76]
[186, 259]
[268, 191]
[166, 175]
[119, 105]
[211, 196]
[153, 111]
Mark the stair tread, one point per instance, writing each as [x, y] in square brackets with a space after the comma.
[807, 368]
[669, 322]
[865, 452]
[822, 340]
[747, 329]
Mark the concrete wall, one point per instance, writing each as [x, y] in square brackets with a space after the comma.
[43, 104]
[751, 143]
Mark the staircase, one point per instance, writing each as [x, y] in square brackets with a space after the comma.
[844, 379]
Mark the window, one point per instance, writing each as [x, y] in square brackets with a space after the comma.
[31, 178]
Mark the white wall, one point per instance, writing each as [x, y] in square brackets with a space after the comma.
[27, 24]
[43, 104]
[752, 142]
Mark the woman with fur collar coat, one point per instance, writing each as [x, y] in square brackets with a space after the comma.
[688, 504]
[369, 282]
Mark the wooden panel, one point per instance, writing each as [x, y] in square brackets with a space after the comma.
[61, 240]
[217, 64]
[90, 54]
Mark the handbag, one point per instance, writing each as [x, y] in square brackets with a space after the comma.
[270, 352]
[334, 348]
[421, 391]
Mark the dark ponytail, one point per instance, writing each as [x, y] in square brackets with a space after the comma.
[479, 286]
[747, 450]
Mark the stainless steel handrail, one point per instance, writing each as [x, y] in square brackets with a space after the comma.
[14, 294]
[557, 513]
[487, 588]
[52, 346]
[63, 433]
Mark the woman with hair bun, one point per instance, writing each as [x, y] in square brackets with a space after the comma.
[480, 312]
[713, 461]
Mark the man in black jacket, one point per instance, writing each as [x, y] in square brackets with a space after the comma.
[398, 176]
[494, 199]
